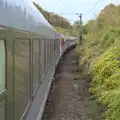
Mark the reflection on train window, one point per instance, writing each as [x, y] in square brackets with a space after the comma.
[2, 65]
[21, 77]
[2, 110]
[35, 64]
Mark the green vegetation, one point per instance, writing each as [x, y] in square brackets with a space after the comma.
[54, 19]
[60, 23]
[100, 53]
[69, 31]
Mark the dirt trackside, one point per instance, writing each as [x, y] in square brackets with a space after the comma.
[69, 98]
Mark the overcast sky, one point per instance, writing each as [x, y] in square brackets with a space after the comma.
[75, 6]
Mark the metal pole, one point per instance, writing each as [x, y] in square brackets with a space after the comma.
[62, 22]
[48, 17]
[80, 16]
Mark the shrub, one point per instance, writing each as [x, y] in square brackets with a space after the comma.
[101, 49]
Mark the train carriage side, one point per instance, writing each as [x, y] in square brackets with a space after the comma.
[27, 49]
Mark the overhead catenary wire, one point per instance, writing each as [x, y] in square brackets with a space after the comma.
[76, 12]
[93, 7]
[67, 13]
[66, 5]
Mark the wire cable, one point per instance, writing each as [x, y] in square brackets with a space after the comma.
[67, 13]
[65, 5]
[93, 7]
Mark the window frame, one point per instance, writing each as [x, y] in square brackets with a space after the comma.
[3, 93]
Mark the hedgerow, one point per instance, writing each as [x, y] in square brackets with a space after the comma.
[101, 50]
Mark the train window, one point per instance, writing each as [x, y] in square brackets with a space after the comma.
[42, 57]
[21, 77]
[2, 65]
[35, 64]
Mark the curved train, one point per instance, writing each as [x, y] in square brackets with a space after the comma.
[29, 46]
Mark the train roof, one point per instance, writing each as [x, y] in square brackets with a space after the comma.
[23, 15]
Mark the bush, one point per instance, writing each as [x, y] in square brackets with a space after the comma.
[101, 50]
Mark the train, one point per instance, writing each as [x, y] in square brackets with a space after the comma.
[29, 48]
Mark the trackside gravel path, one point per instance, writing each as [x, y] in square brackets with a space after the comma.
[66, 100]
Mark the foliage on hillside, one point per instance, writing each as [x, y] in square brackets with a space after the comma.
[68, 32]
[54, 19]
[100, 51]
[76, 27]
[61, 24]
